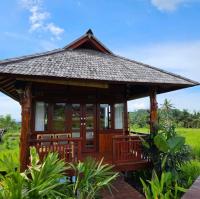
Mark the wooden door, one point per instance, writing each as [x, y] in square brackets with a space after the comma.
[83, 124]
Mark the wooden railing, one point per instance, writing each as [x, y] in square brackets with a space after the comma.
[68, 149]
[127, 149]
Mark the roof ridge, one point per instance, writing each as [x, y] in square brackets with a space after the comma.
[89, 34]
[158, 69]
[35, 55]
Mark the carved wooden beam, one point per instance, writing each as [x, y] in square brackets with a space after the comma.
[153, 111]
[26, 103]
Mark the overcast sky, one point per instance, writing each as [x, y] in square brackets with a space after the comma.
[163, 33]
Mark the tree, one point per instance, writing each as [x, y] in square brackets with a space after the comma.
[6, 122]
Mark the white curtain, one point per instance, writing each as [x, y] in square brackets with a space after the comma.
[119, 109]
[40, 116]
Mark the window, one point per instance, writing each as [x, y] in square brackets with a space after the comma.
[119, 113]
[58, 118]
[105, 116]
[41, 118]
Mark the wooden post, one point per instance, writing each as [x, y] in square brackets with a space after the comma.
[153, 111]
[26, 102]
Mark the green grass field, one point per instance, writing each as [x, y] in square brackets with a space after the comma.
[9, 146]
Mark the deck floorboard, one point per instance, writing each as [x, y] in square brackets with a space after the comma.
[123, 191]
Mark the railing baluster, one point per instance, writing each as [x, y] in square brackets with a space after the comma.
[127, 149]
[71, 151]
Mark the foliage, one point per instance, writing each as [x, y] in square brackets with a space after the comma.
[189, 173]
[47, 179]
[169, 147]
[43, 178]
[91, 177]
[167, 113]
[161, 188]
[40, 180]
[6, 122]
[140, 118]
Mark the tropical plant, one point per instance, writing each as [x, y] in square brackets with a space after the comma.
[40, 180]
[161, 188]
[167, 146]
[90, 177]
[43, 178]
[47, 179]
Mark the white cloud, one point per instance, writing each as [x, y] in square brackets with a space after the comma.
[178, 57]
[138, 104]
[55, 30]
[170, 5]
[39, 18]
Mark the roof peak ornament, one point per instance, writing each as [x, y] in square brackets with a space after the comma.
[89, 32]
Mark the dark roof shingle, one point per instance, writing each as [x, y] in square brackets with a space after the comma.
[90, 65]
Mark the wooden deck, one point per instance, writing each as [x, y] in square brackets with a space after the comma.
[122, 191]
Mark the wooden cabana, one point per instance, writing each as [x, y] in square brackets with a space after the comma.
[74, 101]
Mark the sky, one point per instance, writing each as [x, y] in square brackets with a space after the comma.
[162, 33]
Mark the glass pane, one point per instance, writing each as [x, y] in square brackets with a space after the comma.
[89, 139]
[89, 116]
[119, 110]
[75, 120]
[41, 119]
[89, 122]
[59, 116]
[105, 116]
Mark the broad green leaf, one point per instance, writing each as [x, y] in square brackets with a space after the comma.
[175, 143]
[161, 143]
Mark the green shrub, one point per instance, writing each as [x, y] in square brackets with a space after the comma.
[161, 188]
[91, 177]
[168, 147]
[47, 179]
[40, 180]
[189, 173]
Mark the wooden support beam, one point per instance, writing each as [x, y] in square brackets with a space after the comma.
[11, 90]
[8, 85]
[26, 102]
[94, 84]
[153, 111]
[5, 81]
